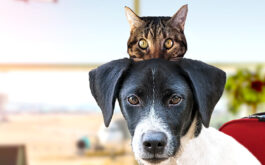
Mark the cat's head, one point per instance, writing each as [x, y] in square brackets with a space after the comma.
[157, 37]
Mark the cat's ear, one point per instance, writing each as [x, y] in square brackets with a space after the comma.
[178, 20]
[133, 19]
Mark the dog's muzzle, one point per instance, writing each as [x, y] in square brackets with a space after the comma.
[153, 144]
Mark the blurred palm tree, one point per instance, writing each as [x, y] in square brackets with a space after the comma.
[245, 87]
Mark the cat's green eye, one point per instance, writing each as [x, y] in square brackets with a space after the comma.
[143, 44]
[168, 43]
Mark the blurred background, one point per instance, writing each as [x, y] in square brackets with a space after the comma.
[47, 48]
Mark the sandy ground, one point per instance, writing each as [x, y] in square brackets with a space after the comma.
[50, 138]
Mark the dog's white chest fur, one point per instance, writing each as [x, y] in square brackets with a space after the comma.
[213, 147]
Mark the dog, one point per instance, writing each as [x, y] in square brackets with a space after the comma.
[167, 106]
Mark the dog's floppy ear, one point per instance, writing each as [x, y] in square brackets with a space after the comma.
[104, 85]
[207, 83]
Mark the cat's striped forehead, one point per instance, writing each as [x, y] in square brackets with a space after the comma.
[154, 26]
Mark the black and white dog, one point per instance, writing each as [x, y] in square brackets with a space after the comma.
[168, 106]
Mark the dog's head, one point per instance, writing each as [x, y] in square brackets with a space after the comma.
[159, 100]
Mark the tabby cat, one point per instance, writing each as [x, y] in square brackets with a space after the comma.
[157, 37]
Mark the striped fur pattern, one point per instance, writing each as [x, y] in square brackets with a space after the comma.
[156, 31]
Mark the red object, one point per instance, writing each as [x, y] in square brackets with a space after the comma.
[257, 85]
[250, 132]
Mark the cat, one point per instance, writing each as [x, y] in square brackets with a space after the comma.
[157, 37]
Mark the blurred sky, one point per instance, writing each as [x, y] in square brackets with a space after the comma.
[82, 31]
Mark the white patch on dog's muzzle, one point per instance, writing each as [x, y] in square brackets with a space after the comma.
[153, 123]
[150, 123]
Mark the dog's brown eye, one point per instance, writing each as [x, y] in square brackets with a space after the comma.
[133, 100]
[168, 43]
[174, 100]
[143, 44]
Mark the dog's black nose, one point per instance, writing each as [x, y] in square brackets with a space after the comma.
[154, 142]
